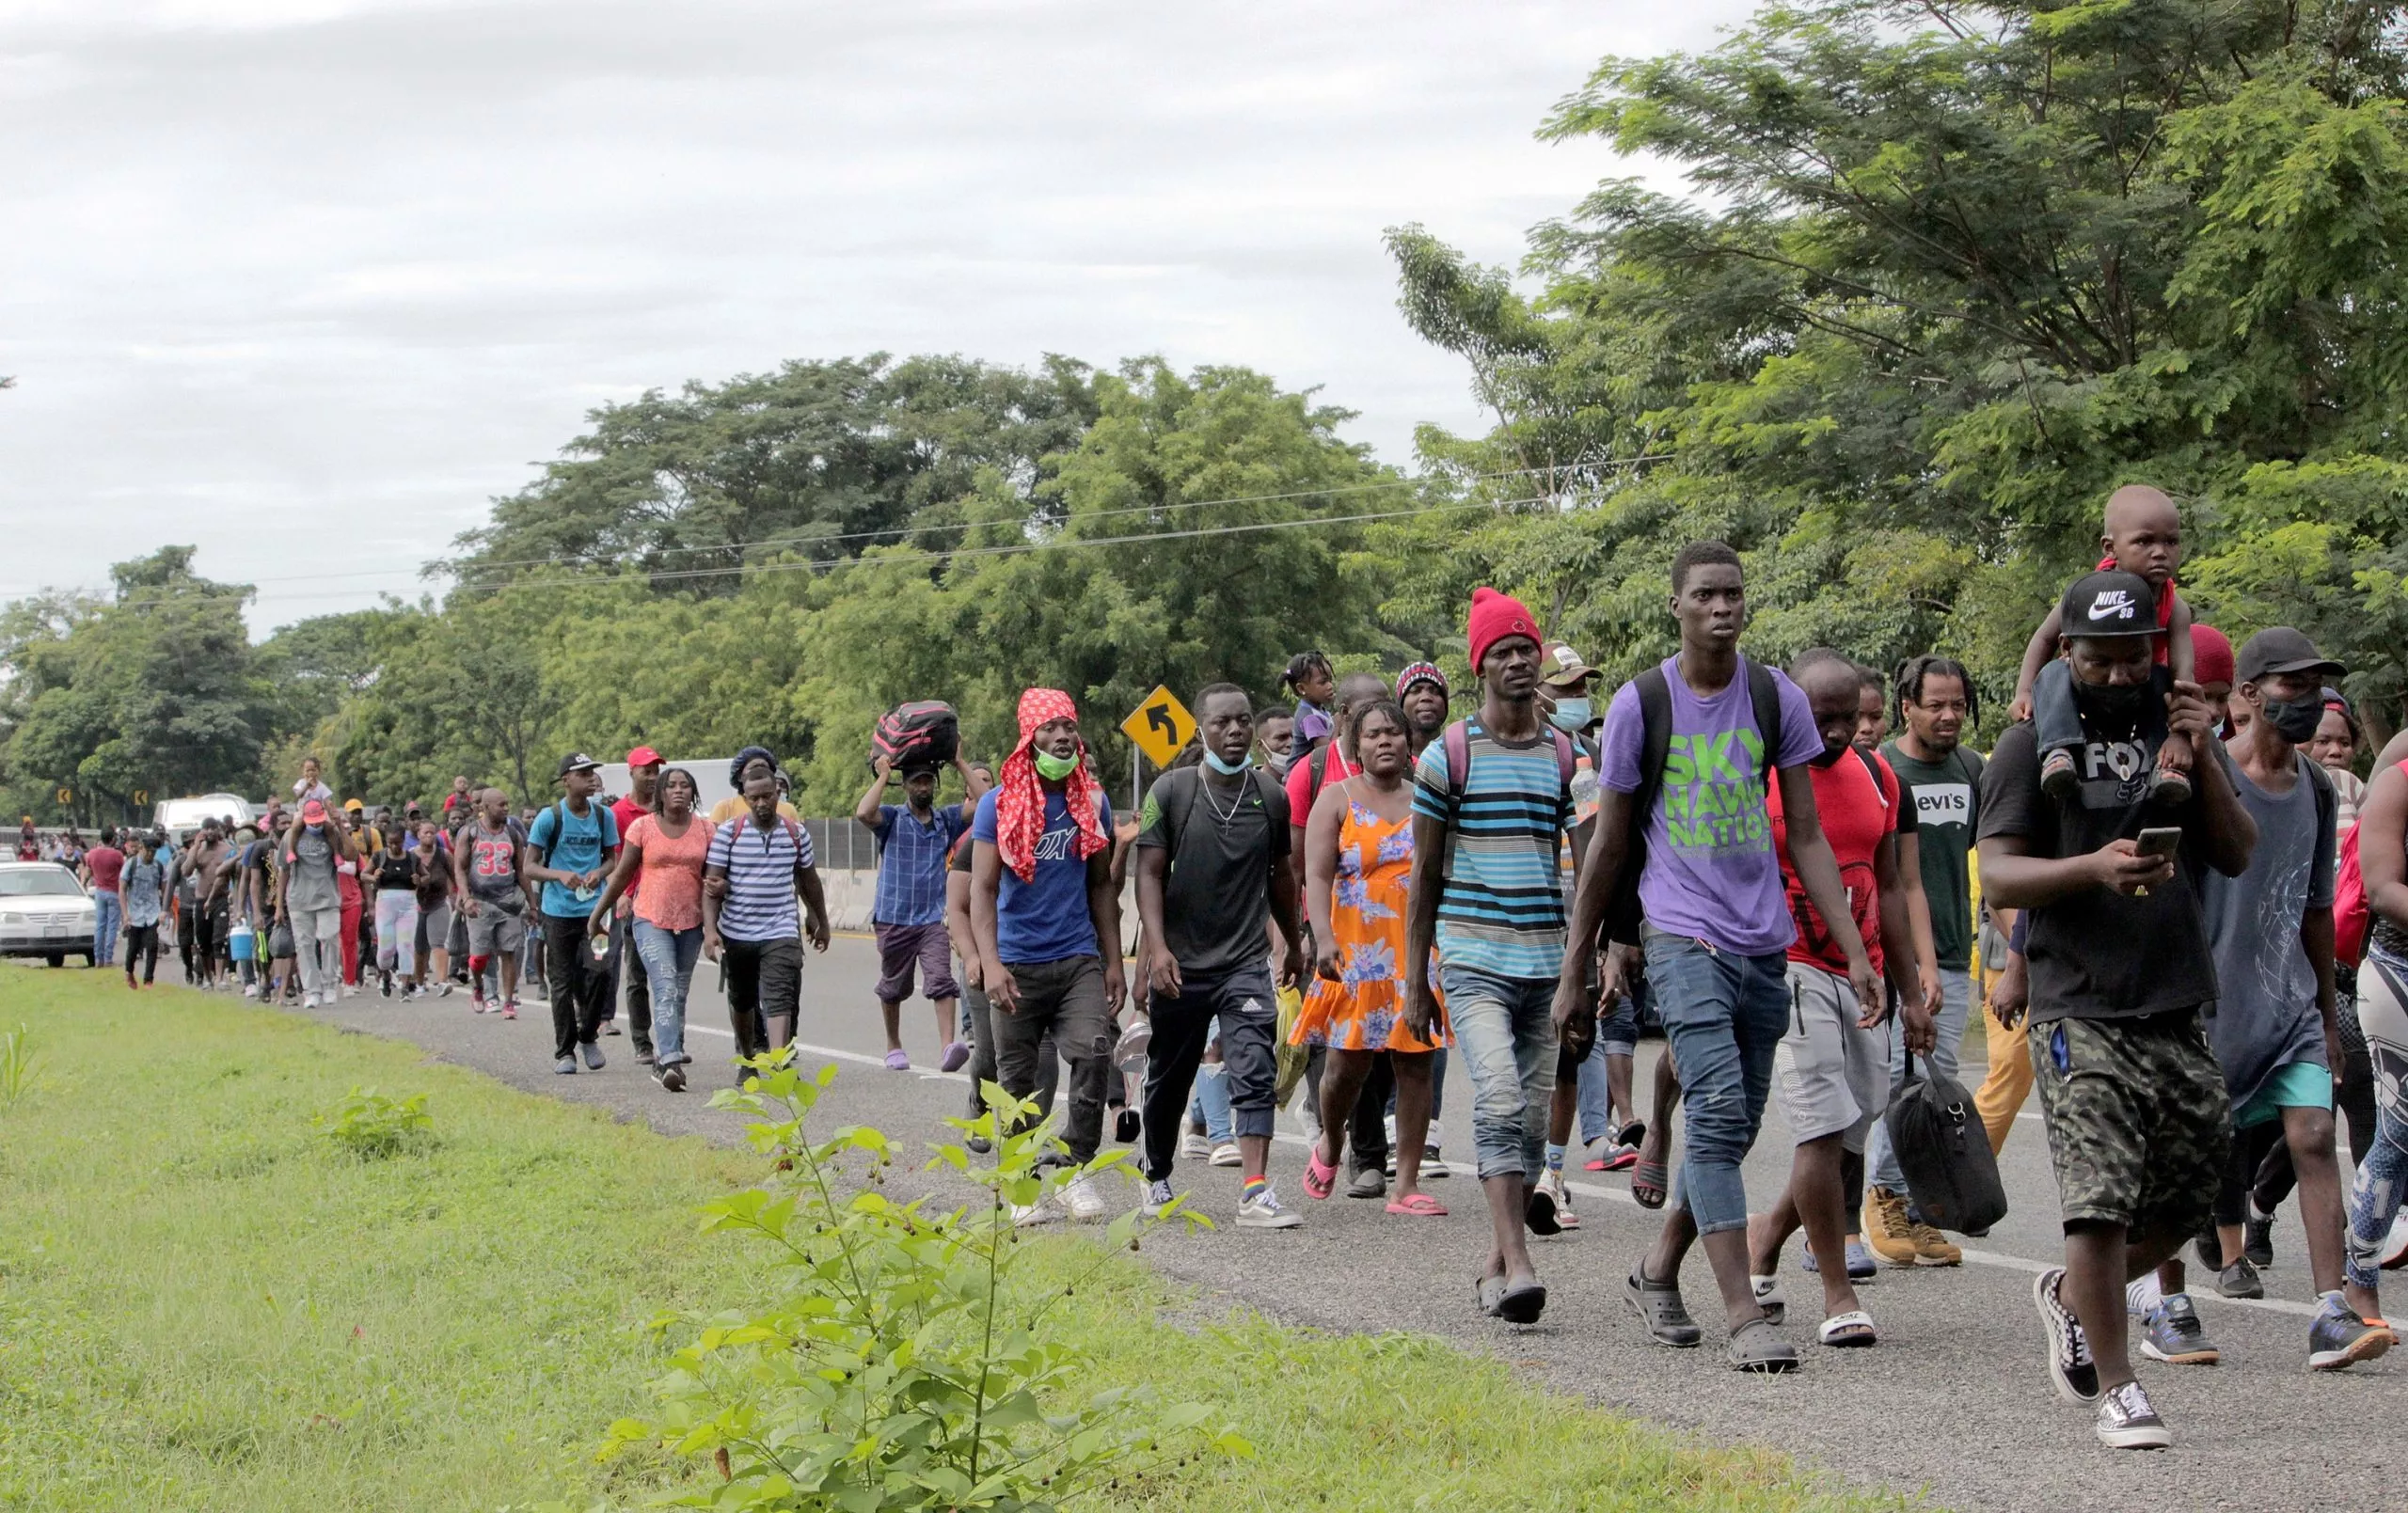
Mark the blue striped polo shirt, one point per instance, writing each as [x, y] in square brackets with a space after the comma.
[760, 902]
[1501, 910]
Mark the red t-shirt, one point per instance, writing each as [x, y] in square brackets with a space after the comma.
[2165, 612]
[1301, 793]
[627, 811]
[107, 863]
[1857, 816]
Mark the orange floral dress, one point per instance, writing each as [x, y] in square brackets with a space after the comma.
[1364, 1010]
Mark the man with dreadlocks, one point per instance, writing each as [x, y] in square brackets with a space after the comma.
[1047, 917]
[1943, 782]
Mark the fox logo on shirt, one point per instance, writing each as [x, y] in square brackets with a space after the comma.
[1055, 846]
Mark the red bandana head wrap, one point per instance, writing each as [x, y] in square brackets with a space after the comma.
[1020, 794]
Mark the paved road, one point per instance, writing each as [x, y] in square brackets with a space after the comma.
[1954, 1403]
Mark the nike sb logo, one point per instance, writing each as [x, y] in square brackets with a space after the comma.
[2113, 603]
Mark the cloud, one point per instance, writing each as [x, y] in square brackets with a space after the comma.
[307, 281]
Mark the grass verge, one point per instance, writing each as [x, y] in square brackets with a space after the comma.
[205, 1304]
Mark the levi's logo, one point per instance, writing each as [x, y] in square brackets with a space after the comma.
[1946, 803]
[2116, 603]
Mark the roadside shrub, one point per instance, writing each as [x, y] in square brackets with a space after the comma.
[16, 1066]
[901, 1365]
[368, 1126]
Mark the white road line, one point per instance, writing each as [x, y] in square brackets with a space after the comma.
[1586, 1190]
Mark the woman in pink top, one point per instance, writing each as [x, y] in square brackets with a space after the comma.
[667, 847]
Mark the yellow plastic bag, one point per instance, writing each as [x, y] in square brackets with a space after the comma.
[1291, 1058]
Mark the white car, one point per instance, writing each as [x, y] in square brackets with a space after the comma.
[44, 912]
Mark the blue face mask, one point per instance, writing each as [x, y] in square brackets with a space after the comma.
[1572, 715]
[1228, 769]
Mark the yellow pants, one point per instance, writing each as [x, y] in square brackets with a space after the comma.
[2009, 1083]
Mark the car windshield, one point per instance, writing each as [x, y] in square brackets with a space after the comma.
[30, 882]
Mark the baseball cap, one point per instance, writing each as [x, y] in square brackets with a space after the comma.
[2281, 649]
[353, 805]
[314, 811]
[576, 762]
[1561, 666]
[2109, 603]
[643, 756]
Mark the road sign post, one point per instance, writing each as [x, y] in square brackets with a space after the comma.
[1160, 726]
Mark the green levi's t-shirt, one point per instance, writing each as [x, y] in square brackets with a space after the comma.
[1947, 795]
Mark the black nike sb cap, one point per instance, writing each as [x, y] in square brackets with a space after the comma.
[2109, 603]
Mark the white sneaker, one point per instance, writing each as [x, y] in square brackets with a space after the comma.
[1194, 1147]
[1263, 1212]
[1227, 1154]
[309, 1000]
[1551, 1183]
[350, 991]
[250, 990]
[1040, 1212]
[1085, 1204]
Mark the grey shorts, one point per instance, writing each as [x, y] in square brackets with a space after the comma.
[1834, 1077]
[496, 929]
[433, 930]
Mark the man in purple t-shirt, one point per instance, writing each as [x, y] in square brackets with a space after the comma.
[1716, 926]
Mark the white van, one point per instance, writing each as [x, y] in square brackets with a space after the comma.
[180, 817]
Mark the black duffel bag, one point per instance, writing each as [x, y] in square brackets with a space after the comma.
[1945, 1152]
[922, 733]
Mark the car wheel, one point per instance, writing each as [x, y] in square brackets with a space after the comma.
[56, 958]
[90, 961]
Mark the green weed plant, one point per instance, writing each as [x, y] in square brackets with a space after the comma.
[368, 1126]
[16, 1068]
[905, 1363]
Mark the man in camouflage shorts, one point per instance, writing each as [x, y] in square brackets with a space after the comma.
[2120, 967]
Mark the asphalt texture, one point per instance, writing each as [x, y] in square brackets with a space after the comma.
[1952, 1405]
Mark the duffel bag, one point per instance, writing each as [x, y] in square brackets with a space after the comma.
[922, 733]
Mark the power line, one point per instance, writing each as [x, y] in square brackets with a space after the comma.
[1007, 550]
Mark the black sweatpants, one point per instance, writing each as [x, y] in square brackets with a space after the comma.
[1063, 1000]
[1248, 1009]
[142, 941]
[577, 982]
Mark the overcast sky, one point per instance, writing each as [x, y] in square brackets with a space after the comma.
[308, 282]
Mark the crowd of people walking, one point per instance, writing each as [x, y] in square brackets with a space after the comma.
[2190, 913]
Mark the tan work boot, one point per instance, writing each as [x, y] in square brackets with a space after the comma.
[1886, 1228]
[1932, 1248]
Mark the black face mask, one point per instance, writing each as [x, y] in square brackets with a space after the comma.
[2295, 719]
[2111, 704]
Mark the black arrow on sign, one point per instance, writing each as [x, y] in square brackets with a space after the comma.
[1158, 717]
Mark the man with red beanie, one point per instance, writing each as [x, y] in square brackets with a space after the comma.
[1491, 801]
[2211, 663]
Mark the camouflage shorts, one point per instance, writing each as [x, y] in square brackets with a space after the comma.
[2137, 1118]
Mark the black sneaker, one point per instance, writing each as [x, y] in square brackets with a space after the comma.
[2239, 1280]
[2058, 779]
[2209, 1247]
[2128, 1421]
[2075, 1375]
[2340, 1339]
[2258, 1241]
[673, 1077]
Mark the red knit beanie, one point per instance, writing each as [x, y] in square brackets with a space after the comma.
[2210, 655]
[1493, 617]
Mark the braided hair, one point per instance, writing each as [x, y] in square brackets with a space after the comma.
[1908, 684]
[1302, 666]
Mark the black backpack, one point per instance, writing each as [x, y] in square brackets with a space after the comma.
[1655, 746]
[1945, 1152]
[1183, 796]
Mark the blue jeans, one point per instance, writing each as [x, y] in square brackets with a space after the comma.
[1724, 1014]
[1881, 1166]
[1210, 1107]
[1505, 1032]
[107, 910]
[669, 958]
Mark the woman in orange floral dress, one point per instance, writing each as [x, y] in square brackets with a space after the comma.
[1358, 862]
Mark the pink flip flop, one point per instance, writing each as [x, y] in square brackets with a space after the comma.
[1420, 1206]
[1319, 1176]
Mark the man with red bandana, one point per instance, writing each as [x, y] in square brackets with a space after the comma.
[1047, 919]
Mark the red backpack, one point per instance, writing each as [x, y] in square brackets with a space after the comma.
[2351, 917]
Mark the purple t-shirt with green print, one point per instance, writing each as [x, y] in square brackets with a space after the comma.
[1711, 872]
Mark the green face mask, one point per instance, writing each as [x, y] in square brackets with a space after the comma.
[1053, 768]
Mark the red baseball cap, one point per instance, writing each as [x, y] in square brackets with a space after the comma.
[643, 756]
[314, 811]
